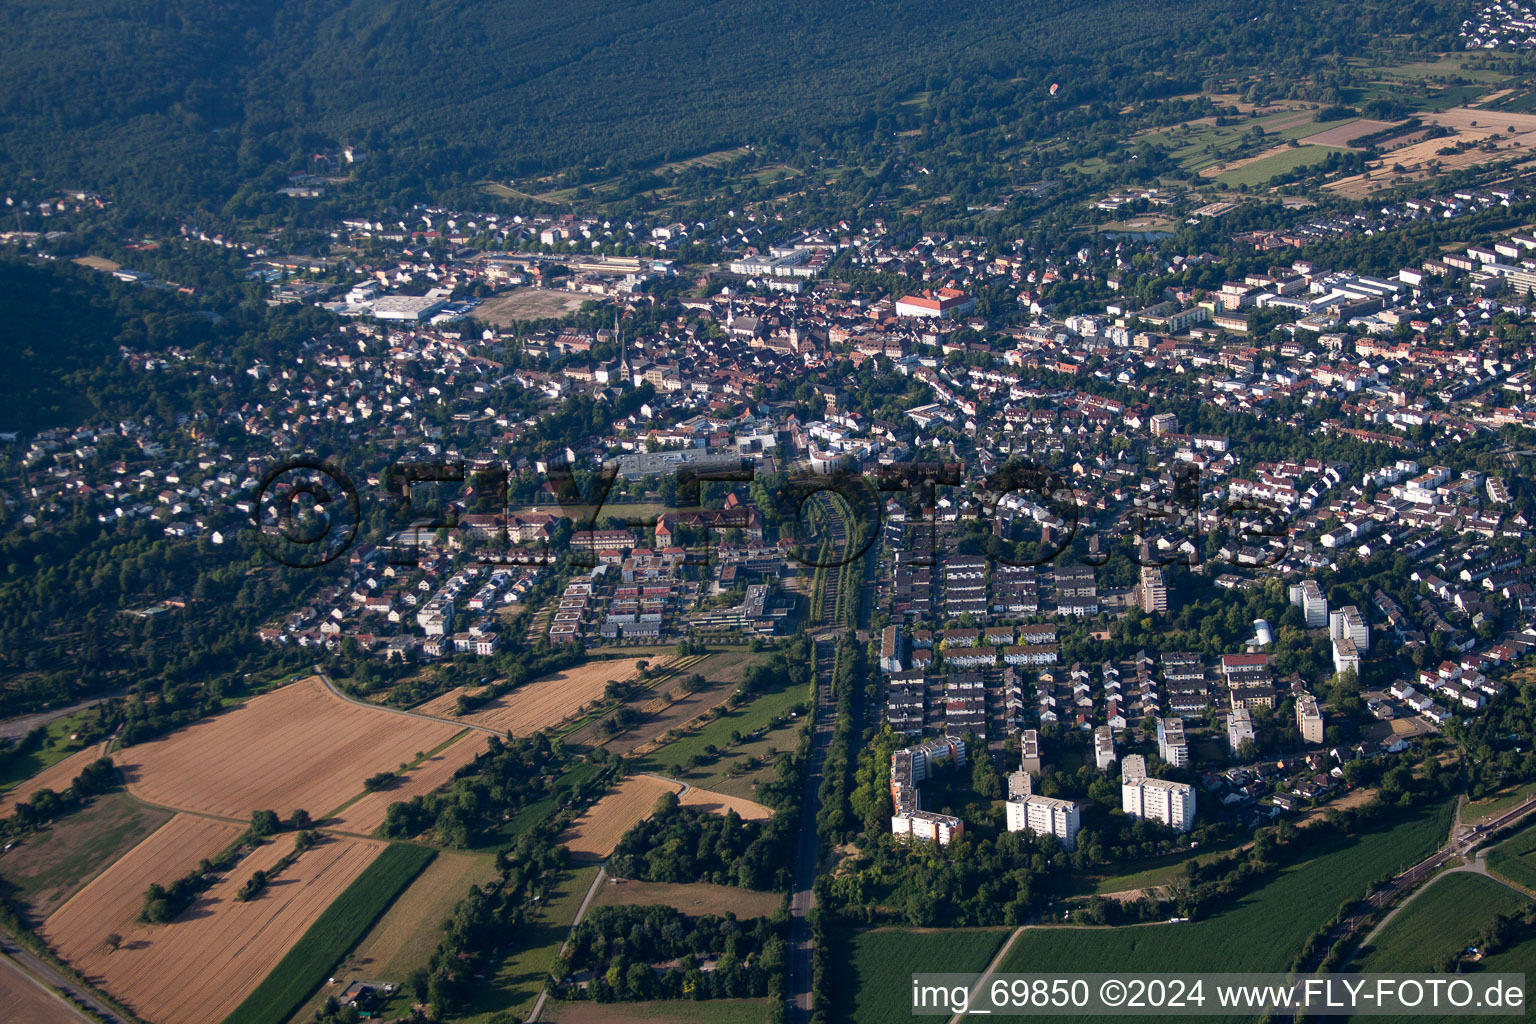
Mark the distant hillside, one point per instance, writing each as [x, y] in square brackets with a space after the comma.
[176, 100]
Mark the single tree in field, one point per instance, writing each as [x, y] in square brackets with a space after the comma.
[114, 940]
[265, 823]
[300, 820]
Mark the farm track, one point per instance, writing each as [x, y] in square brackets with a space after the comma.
[396, 711]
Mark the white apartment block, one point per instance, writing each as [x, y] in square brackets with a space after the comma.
[1239, 727]
[1103, 747]
[1309, 719]
[1171, 746]
[1314, 606]
[1046, 816]
[1348, 622]
[927, 826]
[1172, 803]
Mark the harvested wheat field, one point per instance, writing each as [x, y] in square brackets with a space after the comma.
[199, 967]
[542, 703]
[27, 1001]
[367, 813]
[56, 777]
[299, 746]
[112, 900]
[593, 836]
[719, 803]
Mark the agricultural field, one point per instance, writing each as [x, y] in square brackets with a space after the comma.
[529, 304]
[593, 836]
[57, 776]
[406, 936]
[662, 1011]
[520, 978]
[1261, 932]
[720, 803]
[407, 933]
[197, 968]
[1470, 126]
[28, 1001]
[1451, 912]
[366, 813]
[1280, 161]
[112, 900]
[693, 898]
[877, 965]
[48, 867]
[297, 747]
[1515, 858]
[308, 963]
[542, 703]
[1345, 132]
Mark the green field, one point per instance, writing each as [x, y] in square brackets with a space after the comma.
[1260, 171]
[1515, 858]
[875, 966]
[520, 977]
[1263, 931]
[1442, 919]
[336, 931]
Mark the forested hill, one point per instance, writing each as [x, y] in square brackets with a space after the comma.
[171, 100]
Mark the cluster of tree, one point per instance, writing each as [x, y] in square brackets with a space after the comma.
[851, 677]
[684, 844]
[378, 781]
[45, 805]
[259, 879]
[510, 775]
[1495, 745]
[662, 953]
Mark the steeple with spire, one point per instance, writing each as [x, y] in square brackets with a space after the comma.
[624, 371]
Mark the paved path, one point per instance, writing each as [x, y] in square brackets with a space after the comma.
[581, 912]
[981, 982]
[808, 844]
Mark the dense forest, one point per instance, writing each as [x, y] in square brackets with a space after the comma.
[194, 103]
